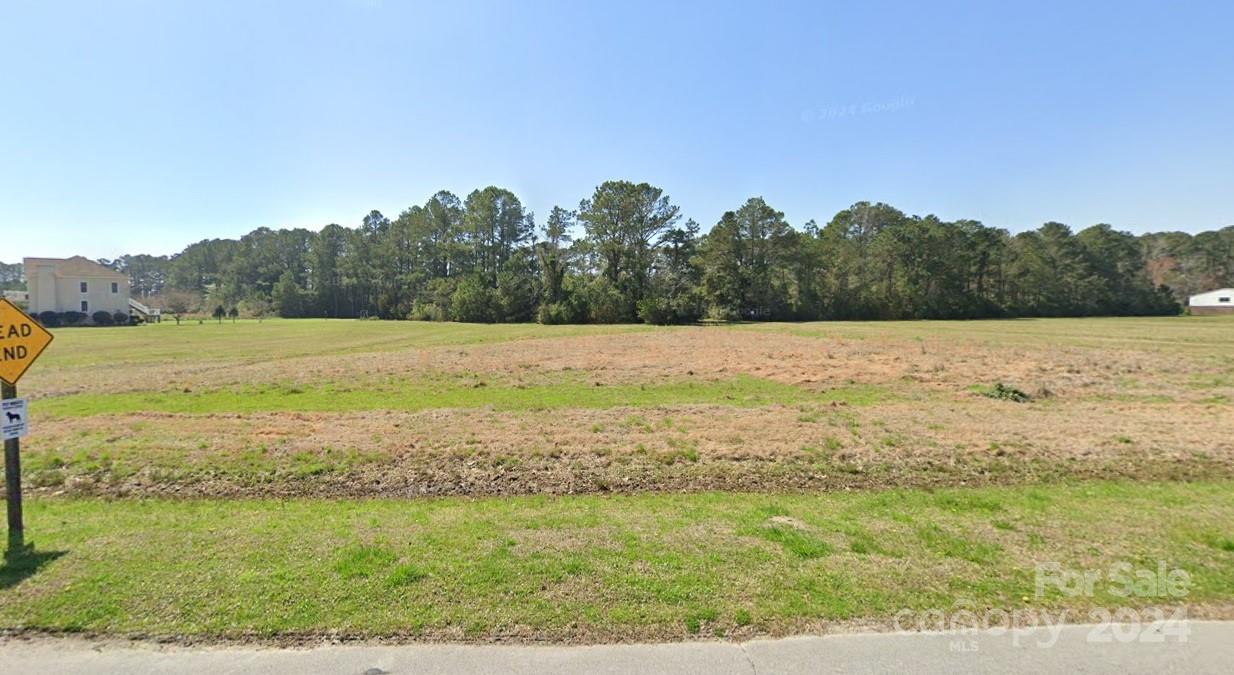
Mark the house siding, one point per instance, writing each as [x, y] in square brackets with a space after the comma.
[1219, 301]
[1211, 311]
[55, 286]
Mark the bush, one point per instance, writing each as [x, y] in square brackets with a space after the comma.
[434, 302]
[473, 302]
[570, 308]
[49, 319]
[662, 311]
[428, 311]
[121, 318]
[605, 303]
[72, 318]
[557, 313]
[1005, 392]
[101, 318]
[655, 311]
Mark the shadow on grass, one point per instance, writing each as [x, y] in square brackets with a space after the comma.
[21, 562]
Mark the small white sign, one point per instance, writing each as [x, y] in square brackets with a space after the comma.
[13, 418]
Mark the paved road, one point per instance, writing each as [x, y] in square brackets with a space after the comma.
[1208, 649]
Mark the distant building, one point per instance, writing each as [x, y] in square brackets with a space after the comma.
[16, 296]
[1220, 301]
[75, 285]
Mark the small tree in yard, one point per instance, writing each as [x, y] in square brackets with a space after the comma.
[219, 313]
[233, 313]
[259, 308]
[179, 303]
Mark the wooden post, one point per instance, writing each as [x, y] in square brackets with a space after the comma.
[12, 481]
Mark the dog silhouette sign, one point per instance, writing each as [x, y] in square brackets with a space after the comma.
[13, 418]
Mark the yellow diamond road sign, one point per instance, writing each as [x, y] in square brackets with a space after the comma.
[22, 339]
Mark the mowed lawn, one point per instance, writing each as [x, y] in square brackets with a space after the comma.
[425, 480]
[244, 340]
[602, 568]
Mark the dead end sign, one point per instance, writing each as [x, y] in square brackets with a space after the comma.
[22, 339]
[13, 418]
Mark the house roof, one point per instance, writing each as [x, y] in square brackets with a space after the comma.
[1219, 296]
[77, 266]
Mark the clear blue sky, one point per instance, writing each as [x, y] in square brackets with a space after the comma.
[144, 126]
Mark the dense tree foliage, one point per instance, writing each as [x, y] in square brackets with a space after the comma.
[10, 276]
[624, 255]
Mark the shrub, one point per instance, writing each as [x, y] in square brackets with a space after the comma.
[101, 318]
[434, 303]
[558, 313]
[49, 319]
[1005, 392]
[473, 302]
[428, 311]
[655, 311]
[663, 311]
[723, 313]
[605, 302]
[120, 318]
[72, 318]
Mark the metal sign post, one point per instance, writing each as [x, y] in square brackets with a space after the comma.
[22, 339]
[12, 480]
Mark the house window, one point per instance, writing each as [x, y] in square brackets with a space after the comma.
[85, 306]
[115, 287]
[83, 287]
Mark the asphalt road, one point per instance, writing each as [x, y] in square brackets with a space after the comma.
[1209, 648]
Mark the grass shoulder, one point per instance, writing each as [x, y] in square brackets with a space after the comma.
[595, 568]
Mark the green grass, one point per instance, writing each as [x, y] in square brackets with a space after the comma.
[361, 562]
[249, 340]
[801, 544]
[427, 394]
[281, 338]
[650, 566]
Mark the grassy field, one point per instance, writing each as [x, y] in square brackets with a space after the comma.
[610, 482]
[599, 568]
[332, 408]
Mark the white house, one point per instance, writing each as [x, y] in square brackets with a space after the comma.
[1220, 301]
[75, 285]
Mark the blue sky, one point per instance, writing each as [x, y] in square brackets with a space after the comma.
[144, 126]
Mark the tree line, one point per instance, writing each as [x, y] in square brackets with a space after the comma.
[625, 254]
